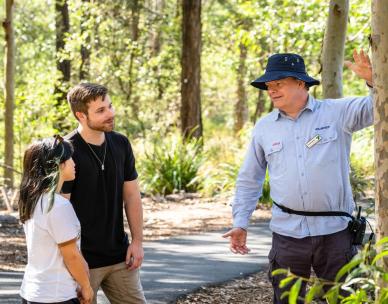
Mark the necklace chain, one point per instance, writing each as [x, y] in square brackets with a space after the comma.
[102, 163]
[99, 160]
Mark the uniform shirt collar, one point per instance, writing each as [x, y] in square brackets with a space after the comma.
[311, 105]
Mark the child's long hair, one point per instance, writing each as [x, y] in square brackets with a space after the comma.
[41, 173]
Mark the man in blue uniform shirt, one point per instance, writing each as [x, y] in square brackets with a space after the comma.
[305, 145]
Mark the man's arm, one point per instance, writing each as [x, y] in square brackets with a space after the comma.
[248, 190]
[134, 212]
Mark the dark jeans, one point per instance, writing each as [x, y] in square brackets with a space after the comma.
[326, 254]
[72, 301]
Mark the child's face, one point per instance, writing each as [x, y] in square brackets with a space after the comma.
[68, 170]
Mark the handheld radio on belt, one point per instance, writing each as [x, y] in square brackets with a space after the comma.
[356, 226]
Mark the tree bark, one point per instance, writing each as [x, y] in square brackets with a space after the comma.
[62, 26]
[156, 43]
[380, 83]
[9, 92]
[191, 117]
[270, 108]
[241, 107]
[260, 106]
[135, 12]
[157, 33]
[333, 48]
[127, 80]
[85, 46]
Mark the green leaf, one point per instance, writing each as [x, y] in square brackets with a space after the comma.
[284, 295]
[332, 295]
[385, 276]
[382, 241]
[316, 289]
[279, 271]
[379, 256]
[286, 281]
[383, 296]
[346, 268]
[294, 292]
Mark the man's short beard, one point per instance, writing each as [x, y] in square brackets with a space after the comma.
[99, 127]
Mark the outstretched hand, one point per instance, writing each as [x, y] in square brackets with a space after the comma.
[361, 66]
[238, 240]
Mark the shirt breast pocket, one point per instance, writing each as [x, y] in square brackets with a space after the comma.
[276, 159]
[325, 152]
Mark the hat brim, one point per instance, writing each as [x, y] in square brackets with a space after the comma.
[276, 75]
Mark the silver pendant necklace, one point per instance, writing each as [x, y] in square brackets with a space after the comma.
[102, 163]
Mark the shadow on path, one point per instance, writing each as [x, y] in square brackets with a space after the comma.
[176, 266]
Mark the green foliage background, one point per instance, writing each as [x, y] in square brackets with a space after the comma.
[146, 94]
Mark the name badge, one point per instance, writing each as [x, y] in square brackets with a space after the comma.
[313, 141]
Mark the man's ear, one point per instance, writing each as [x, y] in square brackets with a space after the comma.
[80, 116]
[302, 84]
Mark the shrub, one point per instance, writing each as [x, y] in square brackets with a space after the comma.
[359, 178]
[222, 179]
[171, 165]
[224, 157]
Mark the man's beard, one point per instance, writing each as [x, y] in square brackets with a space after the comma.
[102, 127]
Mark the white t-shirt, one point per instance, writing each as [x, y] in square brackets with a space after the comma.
[46, 278]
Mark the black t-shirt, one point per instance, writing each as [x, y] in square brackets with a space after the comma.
[97, 196]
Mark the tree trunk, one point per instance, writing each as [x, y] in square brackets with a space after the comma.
[156, 44]
[270, 109]
[85, 46]
[135, 12]
[9, 92]
[191, 118]
[241, 107]
[156, 34]
[62, 26]
[333, 48]
[128, 80]
[260, 106]
[380, 83]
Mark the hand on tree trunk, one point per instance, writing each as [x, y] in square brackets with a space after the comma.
[361, 66]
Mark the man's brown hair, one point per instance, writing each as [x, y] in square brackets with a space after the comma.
[83, 93]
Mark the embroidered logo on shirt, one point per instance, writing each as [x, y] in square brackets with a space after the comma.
[276, 144]
[322, 128]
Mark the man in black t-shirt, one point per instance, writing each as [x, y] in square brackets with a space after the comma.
[106, 178]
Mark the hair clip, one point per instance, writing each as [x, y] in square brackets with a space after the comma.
[58, 140]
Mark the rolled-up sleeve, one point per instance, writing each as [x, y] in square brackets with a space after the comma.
[249, 182]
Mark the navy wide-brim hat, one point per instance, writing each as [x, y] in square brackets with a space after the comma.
[281, 66]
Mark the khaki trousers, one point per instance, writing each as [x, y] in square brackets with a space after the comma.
[120, 285]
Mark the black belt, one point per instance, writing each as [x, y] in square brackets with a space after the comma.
[356, 226]
[313, 213]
